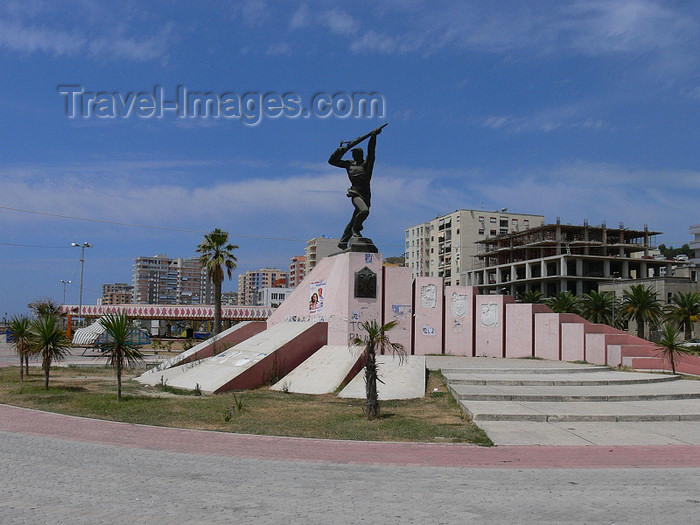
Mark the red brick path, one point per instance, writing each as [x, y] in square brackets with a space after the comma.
[21, 420]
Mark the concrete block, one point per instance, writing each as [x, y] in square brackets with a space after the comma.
[398, 304]
[459, 320]
[490, 324]
[428, 318]
[520, 328]
[573, 342]
[323, 372]
[403, 379]
[548, 333]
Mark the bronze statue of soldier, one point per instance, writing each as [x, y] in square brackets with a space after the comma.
[359, 171]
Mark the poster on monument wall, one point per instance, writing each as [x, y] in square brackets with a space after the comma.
[316, 298]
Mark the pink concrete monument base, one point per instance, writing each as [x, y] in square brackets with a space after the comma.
[328, 294]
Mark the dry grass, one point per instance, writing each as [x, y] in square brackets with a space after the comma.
[91, 392]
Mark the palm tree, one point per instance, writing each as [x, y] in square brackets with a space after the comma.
[669, 345]
[119, 348]
[44, 307]
[641, 304]
[684, 311]
[21, 334]
[532, 296]
[376, 339]
[598, 307]
[563, 302]
[216, 255]
[50, 341]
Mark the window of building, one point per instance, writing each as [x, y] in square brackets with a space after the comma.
[457, 231]
[504, 231]
[526, 222]
[492, 232]
[493, 220]
[504, 222]
[481, 231]
[515, 221]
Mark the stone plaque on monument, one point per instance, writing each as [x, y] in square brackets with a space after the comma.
[366, 284]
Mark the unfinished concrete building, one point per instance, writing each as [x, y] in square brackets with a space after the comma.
[558, 257]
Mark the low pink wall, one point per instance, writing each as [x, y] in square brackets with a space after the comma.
[684, 364]
[490, 322]
[573, 342]
[548, 333]
[459, 320]
[520, 328]
[428, 309]
[596, 351]
[398, 304]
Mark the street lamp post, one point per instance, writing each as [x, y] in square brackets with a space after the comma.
[64, 289]
[82, 264]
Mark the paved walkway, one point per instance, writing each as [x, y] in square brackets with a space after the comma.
[62, 469]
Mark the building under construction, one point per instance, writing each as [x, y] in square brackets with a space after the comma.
[559, 257]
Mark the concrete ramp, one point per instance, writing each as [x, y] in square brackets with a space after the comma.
[214, 345]
[249, 364]
[323, 372]
[404, 380]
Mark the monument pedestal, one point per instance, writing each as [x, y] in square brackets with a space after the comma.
[343, 290]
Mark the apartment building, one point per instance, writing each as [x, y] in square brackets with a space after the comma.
[446, 246]
[164, 280]
[297, 270]
[251, 281]
[271, 297]
[116, 293]
[695, 243]
[318, 248]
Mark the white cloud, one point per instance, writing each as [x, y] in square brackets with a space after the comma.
[279, 49]
[556, 118]
[31, 39]
[38, 29]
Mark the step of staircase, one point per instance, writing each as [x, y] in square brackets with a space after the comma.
[614, 411]
[597, 378]
[624, 392]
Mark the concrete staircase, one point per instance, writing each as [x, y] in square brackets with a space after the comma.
[499, 395]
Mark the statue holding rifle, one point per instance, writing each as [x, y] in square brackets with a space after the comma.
[359, 171]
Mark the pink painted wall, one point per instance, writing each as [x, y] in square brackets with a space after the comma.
[459, 320]
[520, 328]
[398, 304]
[548, 333]
[573, 342]
[428, 309]
[490, 322]
[596, 351]
[686, 364]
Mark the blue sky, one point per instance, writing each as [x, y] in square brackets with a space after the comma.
[577, 109]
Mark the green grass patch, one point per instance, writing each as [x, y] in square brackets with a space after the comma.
[91, 392]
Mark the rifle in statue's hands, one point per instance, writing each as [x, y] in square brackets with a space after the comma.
[347, 144]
